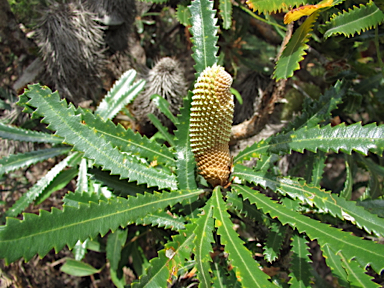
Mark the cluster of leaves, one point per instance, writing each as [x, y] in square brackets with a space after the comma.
[123, 178]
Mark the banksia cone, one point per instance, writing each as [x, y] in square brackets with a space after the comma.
[210, 124]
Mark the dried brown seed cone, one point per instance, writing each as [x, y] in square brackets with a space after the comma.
[167, 80]
[71, 45]
[210, 124]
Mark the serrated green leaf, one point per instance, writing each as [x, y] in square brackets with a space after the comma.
[356, 20]
[60, 181]
[37, 234]
[163, 106]
[355, 278]
[218, 275]
[327, 202]
[294, 51]
[20, 134]
[376, 172]
[123, 92]
[346, 193]
[183, 15]
[38, 188]
[247, 270]
[366, 252]
[334, 262]
[78, 268]
[169, 260]
[204, 32]
[274, 242]
[315, 168]
[163, 219]
[121, 188]
[185, 159]
[74, 199]
[63, 119]
[273, 6]
[317, 111]
[164, 131]
[300, 268]
[202, 244]
[225, 10]
[236, 202]
[115, 243]
[266, 162]
[128, 141]
[21, 160]
[362, 139]
[374, 206]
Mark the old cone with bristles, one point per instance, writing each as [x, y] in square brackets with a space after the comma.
[210, 124]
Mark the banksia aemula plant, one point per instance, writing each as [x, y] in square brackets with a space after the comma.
[210, 124]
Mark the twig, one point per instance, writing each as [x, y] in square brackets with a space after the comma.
[271, 95]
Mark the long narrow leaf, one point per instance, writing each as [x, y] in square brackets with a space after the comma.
[17, 161]
[334, 262]
[64, 120]
[163, 106]
[366, 252]
[20, 134]
[38, 188]
[169, 260]
[163, 130]
[300, 267]
[356, 276]
[272, 6]
[225, 9]
[312, 195]
[204, 34]
[122, 93]
[115, 243]
[362, 139]
[317, 111]
[274, 242]
[185, 159]
[37, 234]
[356, 20]
[60, 181]
[247, 270]
[294, 51]
[203, 244]
[128, 141]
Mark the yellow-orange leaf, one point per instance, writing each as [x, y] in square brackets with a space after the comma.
[305, 10]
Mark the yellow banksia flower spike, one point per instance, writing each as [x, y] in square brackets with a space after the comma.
[210, 124]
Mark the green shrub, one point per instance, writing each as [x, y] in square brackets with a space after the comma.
[124, 178]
